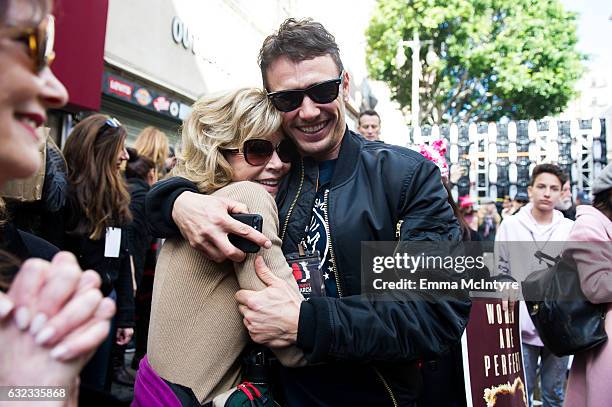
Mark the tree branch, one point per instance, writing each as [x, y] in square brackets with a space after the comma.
[459, 88]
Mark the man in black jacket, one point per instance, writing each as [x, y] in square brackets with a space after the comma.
[345, 190]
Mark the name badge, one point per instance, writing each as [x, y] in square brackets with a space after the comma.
[112, 243]
[305, 268]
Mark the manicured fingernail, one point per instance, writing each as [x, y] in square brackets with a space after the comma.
[44, 335]
[59, 352]
[22, 318]
[6, 306]
[37, 323]
[268, 244]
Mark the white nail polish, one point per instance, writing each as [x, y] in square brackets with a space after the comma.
[37, 323]
[22, 318]
[58, 352]
[44, 335]
[6, 306]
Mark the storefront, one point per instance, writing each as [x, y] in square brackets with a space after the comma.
[137, 105]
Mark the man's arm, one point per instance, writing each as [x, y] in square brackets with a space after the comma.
[405, 326]
[174, 206]
[159, 203]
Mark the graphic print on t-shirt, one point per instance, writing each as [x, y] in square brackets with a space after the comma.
[317, 240]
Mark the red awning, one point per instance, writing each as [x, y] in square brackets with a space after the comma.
[79, 48]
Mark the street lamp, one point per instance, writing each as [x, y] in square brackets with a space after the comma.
[400, 60]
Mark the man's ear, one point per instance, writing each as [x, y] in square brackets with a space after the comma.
[346, 86]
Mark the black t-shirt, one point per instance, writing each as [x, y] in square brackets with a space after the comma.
[317, 231]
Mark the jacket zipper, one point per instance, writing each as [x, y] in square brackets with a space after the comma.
[398, 229]
[384, 382]
[331, 248]
[297, 195]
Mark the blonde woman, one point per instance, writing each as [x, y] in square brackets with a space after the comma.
[153, 144]
[232, 146]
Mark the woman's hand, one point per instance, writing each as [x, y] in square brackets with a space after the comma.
[59, 319]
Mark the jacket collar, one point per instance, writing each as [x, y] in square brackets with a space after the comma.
[347, 158]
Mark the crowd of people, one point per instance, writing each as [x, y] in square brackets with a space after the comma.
[83, 272]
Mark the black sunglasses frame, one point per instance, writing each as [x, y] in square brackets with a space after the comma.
[245, 150]
[295, 97]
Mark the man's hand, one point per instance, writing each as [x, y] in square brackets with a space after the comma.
[205, 222]
[272, 314]
[124, 335]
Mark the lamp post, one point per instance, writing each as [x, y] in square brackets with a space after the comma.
[400, 60]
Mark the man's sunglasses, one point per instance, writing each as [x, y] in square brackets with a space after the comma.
[322, 92]
[258, 152]
[39, 40]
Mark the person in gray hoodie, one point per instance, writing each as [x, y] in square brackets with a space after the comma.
[537, 227]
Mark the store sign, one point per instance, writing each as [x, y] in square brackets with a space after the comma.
[183, 35]
[161, 104]
[143, 96]
[120, 88]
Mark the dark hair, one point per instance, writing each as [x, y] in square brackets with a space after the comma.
[298, 40]
[550, 169]
[603, 200]
[138, 166]
[368, 112]
[465, 228]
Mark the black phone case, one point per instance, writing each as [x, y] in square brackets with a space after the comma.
[256, 222]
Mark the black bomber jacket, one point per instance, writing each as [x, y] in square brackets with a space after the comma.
[364, 351]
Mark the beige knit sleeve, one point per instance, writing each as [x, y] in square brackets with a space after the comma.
[259, 201]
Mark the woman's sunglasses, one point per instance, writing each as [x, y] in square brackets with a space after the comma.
[322, 92]
[39, 40]
[110, 123]
[258, 152]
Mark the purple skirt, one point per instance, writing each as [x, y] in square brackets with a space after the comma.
[150, 390]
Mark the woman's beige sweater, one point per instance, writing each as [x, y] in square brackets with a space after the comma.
[196, 333]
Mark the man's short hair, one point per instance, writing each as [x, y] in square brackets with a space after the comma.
[369, 112]
[550, 169]
[298, 40]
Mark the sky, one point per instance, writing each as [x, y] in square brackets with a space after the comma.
[594, 28]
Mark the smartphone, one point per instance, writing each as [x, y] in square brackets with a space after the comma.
[253, 220]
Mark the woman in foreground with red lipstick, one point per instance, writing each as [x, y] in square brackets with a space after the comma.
[52, 316]
[232, 147]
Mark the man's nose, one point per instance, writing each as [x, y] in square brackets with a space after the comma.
[308, 109]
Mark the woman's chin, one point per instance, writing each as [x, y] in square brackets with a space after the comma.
[270, 189]
[22, 169]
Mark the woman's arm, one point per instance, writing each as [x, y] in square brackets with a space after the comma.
[261, 202]
[589, 246]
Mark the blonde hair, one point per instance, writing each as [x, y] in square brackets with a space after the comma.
[153, 144]
[218, 122]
